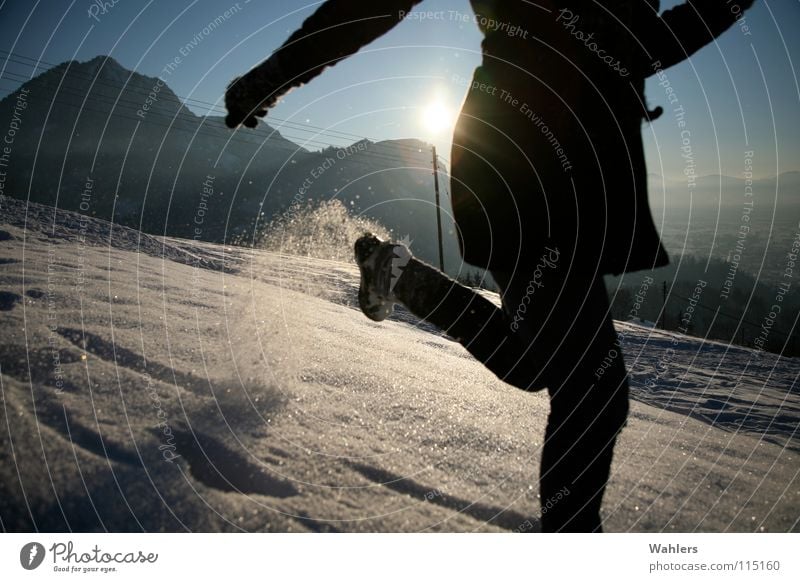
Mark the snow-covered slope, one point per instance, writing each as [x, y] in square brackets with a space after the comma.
[161, 384]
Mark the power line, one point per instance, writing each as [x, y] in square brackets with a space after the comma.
[211, 107]
[120, 111]
[135, 106]
[385, 152]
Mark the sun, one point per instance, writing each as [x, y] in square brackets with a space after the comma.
[436, 117]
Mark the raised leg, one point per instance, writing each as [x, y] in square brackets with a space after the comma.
[480, 326]
[562, 334]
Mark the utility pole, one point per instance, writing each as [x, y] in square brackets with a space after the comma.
[438, 208]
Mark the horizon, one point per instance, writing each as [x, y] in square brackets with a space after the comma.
[266, 121]
[737, 93]
[216, 114]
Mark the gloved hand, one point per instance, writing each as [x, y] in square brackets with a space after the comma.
[252, 94]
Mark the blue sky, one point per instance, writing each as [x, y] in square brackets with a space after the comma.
[381, 92]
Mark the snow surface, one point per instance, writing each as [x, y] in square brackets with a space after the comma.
[166, 385]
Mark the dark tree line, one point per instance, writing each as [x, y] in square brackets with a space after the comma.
[753, 313]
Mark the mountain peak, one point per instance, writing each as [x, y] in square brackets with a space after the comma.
[104, 60]
[108, 69]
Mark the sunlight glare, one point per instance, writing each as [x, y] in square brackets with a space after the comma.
[436, 117]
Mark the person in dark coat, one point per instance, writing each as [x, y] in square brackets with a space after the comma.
[548, 187]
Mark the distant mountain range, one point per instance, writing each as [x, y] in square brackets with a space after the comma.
[100, 139]
[97, 138]
[782, 190]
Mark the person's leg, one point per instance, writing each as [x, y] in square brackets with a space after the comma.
[474, 321]
[563, 333]
[587, 411]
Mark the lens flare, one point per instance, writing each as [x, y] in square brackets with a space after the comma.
[436, 117]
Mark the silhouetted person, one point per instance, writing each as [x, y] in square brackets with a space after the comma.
[548, 186]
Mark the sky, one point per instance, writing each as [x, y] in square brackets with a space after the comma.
[740, 95]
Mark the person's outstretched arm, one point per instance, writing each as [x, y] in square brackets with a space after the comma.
[335, 31]
[683, 30]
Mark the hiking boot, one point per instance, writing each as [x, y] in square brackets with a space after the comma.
[381, 264]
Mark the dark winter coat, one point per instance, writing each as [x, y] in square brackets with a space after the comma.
[548, 147]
